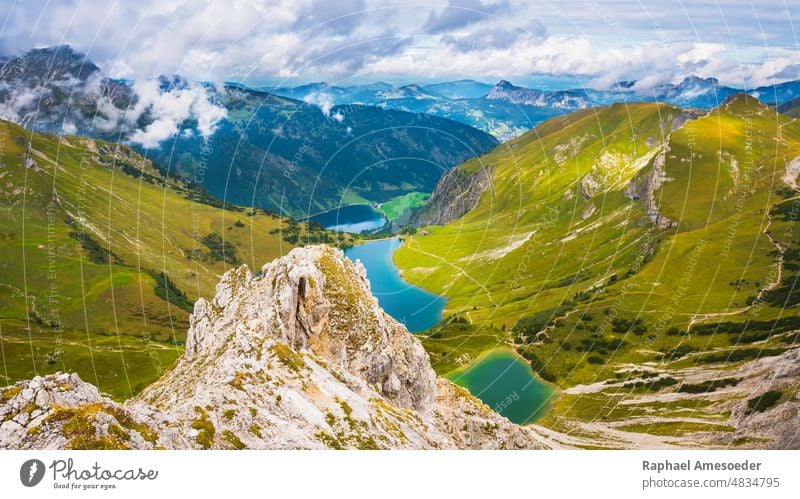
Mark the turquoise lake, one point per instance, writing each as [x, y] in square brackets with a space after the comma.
[354, 218]
[505, 382]
[416, 308]
[500, 377]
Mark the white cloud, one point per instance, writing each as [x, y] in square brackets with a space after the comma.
[167, 110]
[256, 40]
[322, 100]
[69, 128]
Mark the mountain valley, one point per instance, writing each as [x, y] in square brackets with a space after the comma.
[629, 253]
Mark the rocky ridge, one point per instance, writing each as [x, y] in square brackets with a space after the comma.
[299, 355]
[560, 99]
[645, 188]
[454, 196]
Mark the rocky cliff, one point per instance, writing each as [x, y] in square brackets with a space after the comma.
[645, 188]
[454, 196]
[298, 356]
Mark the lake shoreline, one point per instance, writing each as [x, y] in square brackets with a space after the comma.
[415, 307]
[353, 219]
[503, 402]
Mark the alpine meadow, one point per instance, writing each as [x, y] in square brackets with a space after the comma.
[470, 225]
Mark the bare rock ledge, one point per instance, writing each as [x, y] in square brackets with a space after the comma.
[298, 357]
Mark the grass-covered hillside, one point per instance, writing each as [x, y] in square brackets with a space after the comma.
[637, 258]
[103, 257]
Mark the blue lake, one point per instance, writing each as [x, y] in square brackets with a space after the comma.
[416, 308]
[355, 218]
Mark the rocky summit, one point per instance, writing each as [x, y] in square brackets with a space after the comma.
[297, 356]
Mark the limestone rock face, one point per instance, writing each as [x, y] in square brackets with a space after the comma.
[317, 301]
[454, 196]
[61, 411]
[297, 356]
[777, 424]
[645, 189]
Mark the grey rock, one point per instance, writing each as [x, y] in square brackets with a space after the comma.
[300, 356]
[644, 188]
[454, 196]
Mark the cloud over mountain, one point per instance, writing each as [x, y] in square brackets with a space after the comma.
[273, 40]
[58, 89]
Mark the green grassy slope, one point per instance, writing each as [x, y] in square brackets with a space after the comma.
[394, 208]
[578, 278]
[103, 257]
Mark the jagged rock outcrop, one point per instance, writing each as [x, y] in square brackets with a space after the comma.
[298, 356]
[454, 196]
[777, 424]
[792, 171]
[645, 187]
[63, 412]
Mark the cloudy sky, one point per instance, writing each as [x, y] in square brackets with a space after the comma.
[531, 42]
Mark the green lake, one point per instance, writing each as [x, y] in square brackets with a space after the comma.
[505, 382]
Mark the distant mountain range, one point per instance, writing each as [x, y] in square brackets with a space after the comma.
[790, 108]
[245, 146]
[506, 110]
[502, 110]
[306, 149]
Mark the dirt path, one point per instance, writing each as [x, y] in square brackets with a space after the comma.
[414, 246]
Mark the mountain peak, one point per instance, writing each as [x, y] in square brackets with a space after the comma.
[49, 63]
[559, 99]
[307, 283]
[167, 83]
[413, 87]
[694, 80]
[504, 84]
[298, 356]
[624, 85]
[741, 102]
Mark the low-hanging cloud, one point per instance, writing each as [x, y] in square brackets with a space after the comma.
[322, 100]
[146, 112]
[168, 110]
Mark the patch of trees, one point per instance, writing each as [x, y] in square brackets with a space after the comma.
[674, 331]
[526, 328]
[636, 326]
[784, 295]
[653, 385]
[538, 365]
[750, 331]
[677, 352]
[94, 251]
[314, 234]
[601, 345]
[169, 292]
[784, 211]
[221, 250]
